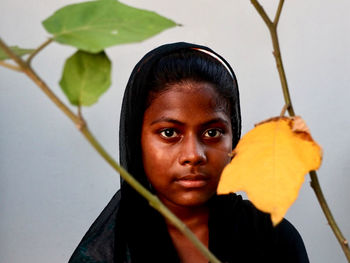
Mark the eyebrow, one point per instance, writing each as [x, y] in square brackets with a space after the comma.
[166, 119]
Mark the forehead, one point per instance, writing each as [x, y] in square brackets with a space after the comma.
[189, 99]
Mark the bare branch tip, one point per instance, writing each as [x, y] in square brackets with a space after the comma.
[278, 13]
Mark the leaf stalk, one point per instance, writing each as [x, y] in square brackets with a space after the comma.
[272, 26]
[35, 52]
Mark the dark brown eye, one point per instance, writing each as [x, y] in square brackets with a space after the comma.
[212, 133]
[169, 133]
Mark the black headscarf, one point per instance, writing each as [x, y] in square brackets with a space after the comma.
[128, 229]
[135, 98]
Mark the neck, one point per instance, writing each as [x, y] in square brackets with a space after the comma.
[196, 219]
[192, 216]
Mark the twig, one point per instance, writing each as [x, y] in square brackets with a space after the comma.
[314, 181]
[10, 66]
[22, 65]
[35, 52]
[323, 203]
[277, 53]
[262, 12]
[39, 82]
[278, 13]
[79, 122]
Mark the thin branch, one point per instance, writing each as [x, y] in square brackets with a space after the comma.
[278, 13]
[277, 53]
[314, 181]
[281, 72]
[43, 86]
[39, 82]
[325, 208]
[23, 65]
[262, 12]
[35, 52]
[10, 66]
[79, 122]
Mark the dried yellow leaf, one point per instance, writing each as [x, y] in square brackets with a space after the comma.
[270, 163]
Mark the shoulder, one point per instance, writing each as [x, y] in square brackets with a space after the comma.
[239, 211]
[289, 242]
[98, 243]
[250, 226]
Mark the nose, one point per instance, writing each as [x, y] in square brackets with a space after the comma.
[192, 151]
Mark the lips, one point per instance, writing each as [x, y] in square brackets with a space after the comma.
[192, 181]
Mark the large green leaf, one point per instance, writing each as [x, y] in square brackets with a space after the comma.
[85, 77]
[93, 26]
[18, 51]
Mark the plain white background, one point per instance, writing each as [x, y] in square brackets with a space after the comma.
[53, 185]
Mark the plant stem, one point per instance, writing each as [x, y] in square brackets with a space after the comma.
[283, 79]
[35, 52]
[82, 126]
[276, 50]
[22, 65]
[323, 203]
[272, 26]
[278, 12]
[10, 66]
[25, 67]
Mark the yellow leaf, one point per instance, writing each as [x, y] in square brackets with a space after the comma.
[270, 163]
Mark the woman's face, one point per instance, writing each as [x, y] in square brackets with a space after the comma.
[186, 140]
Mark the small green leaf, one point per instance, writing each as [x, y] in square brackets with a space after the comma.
[93, 26]
[18, 51]
[86, 77]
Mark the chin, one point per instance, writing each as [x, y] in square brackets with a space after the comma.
[193, 200]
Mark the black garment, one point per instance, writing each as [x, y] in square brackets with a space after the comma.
[238, 232]
[129, 230]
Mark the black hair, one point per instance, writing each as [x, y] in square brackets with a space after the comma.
[193, 65]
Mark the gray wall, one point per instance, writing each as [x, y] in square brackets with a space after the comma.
[53, 185]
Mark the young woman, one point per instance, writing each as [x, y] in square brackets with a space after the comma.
[180, 120]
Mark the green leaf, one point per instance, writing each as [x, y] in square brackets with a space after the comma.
[86, 77]
[93, 26]
[18, 51]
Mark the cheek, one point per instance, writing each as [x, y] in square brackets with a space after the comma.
[155, 158]
[221, 156]
[149, 155]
